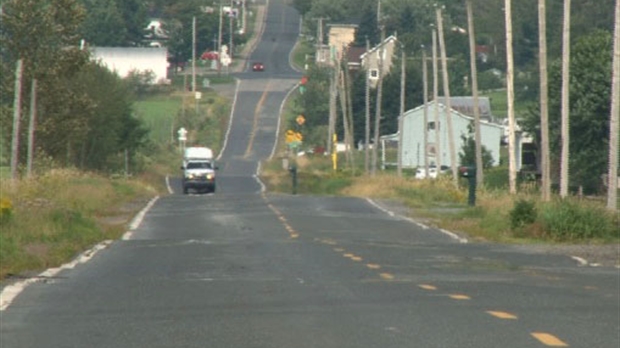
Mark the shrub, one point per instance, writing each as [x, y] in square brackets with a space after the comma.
[522, 214]
[568, 220]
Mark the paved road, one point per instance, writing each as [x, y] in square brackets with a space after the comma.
[243, 268]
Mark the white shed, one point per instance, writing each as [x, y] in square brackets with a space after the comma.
[123, 60]
[413, 135]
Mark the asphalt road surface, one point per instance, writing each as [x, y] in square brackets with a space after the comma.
[246, 268]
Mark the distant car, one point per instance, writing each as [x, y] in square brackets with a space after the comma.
[258, 66]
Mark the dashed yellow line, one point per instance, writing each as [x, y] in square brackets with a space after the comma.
[549, 340]
[386, 276]
[459, 297]
[356, 259]
[502, 315]
[338, 250]
[373, 266]
[428, 287]
[348, 255]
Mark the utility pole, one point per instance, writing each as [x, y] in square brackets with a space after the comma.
[474, 90]
[401, 119]
[446, 91]
[367, 125]
[544, 99]
[425, 86]
[32, 126]
[331, 127]
[194, 55]
[230, 39]
[17, 108]
[510, 97]
[219, 42]
[564, 178]
[438, 146]
[379, 101]
[612, 181]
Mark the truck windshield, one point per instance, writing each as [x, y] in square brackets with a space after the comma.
[199, 165]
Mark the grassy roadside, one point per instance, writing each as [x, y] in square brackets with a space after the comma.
[497, 216]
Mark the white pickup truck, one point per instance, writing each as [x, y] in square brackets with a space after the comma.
[198, 169]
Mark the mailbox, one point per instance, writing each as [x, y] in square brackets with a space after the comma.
[467, 171]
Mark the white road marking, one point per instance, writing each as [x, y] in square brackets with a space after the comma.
[10, 292]
[137, 220]
[390, 213]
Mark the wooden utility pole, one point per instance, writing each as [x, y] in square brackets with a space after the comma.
[219, 41]
[401, 119]
[435, 98]
[343, 106]
[17, 109]
[564, 166]
[194, 55]
[510, 97]
[331, 127]
[474, 90]
[349, 114]
[612, 186]
[367, 118]
[32, 126]
[231, 31]
[425, 86]
[544, 99]
[446, 91]
[379, 101]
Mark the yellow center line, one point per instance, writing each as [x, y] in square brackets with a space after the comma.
[294, 235]
[459, 297]
[548, 339]
[427, 287]
[386, 276]
[356, 258]
[348, 255]
[259, 105]
[338, 250]
[502, 315]
[373, 266]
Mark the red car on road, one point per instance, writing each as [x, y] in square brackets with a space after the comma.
[258, 66]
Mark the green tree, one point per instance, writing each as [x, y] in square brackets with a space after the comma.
[467, 155]
[114, 23]
[590, 93]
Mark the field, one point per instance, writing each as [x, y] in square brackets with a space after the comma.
[158, 115]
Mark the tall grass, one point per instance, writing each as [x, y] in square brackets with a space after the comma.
[53, 217]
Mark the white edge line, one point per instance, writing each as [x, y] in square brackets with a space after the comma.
[10, 292]
[137, 220]
[581, 261]
[263, 188]
[170, 191]
[230, 120]
[446, 232]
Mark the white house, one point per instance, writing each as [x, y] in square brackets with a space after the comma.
[413, 135]
[123, 60]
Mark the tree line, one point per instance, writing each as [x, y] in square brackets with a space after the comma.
[591, 42]
[73, 111]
